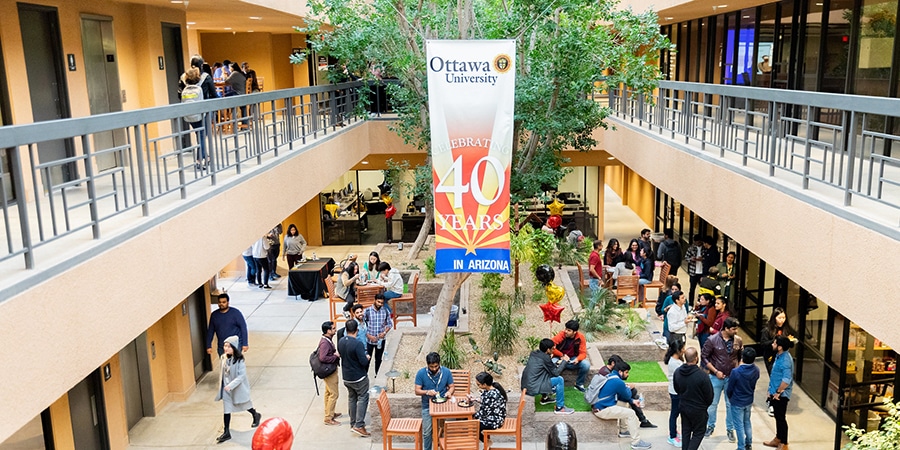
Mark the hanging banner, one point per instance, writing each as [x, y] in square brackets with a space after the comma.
[471, 94]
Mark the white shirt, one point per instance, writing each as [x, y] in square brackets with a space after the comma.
[676, 316]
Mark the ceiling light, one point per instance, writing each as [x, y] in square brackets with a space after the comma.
[249, 31]
[723, 6]
[611, 158]
[365, 162]
[227, 28]
[746, 17]
[669, 18]
[819, 4]
[192, 23]
[177, 2]
[255, 18]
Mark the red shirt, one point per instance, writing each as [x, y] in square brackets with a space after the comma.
[595, 262]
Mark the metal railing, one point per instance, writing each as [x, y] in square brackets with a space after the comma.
[128, 161]
[843, 143]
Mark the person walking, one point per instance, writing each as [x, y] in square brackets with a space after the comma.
[673, 360]
[695, 395]
[740, 391]
[234, 387]
[378, 320]
[720, 356]
[781, 383]
[224, 322]
[294, 246]
[355, 370]
[328, 354]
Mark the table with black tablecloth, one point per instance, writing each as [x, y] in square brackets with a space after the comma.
[307, 279]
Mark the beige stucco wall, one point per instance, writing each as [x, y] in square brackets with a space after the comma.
[811, 246]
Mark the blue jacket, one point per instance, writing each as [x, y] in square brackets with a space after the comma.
[741, 384]
[613, 391]
[782, 370]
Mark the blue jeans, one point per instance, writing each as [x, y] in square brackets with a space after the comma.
[201, 136]
[595, 284]
[583, 367]
[673, 416]
[251, 269]
[718, 388]
[558, 384]
[702, 338]
[426, 428]
[391, 294]
[742, 425]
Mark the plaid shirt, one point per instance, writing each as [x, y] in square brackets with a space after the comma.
[377, 321]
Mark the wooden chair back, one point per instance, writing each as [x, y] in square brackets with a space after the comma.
[410, 298]
[585, 283]
[664, 270]
[462, 382]
[460, 435]
[626, 285]
[365, 295]
[384, 408]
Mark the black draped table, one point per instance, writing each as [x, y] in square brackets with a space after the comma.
[307, 279]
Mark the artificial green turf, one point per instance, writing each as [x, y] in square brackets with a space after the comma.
[646, 372]
[641, 372]
[574, 399]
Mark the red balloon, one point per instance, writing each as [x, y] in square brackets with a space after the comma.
[552, 312]
[274, 433]
[390, 211]
[554, 221]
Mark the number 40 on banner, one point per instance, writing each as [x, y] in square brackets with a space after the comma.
[458, 188]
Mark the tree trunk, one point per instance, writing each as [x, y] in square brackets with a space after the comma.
[423, 233]
[452, 282]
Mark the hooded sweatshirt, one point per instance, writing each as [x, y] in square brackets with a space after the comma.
[693, 387]
[394, 282]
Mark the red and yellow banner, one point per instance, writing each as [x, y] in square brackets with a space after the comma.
[471, 94]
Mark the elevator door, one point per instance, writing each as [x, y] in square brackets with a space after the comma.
[88, 415]
[101, 70]
[196, 307]
[136, 380]
[44, 70]
[173, 58]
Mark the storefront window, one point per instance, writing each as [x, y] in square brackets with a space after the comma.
[746, 61]
[871, 369]
[813, 35]
[766, 45]
[876, 42]
[784, 65]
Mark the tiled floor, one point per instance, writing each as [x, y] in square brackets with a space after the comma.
[284, 331]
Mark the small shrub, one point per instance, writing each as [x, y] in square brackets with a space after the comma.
[634, 323]
[533, 342]
[429, 267]
[600, 313]
[452, 355]
[503, 327]
[886, 437]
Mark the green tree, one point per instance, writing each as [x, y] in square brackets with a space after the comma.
[566, 49]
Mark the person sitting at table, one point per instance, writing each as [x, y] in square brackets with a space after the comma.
[370, 267]
[432, 381]
[391, 280]
[345, 287]
[492, 412]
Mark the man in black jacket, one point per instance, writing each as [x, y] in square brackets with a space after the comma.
[695, 394]
[355, 369]
[542, 376]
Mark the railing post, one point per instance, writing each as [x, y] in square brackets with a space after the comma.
[142, 170]
[807, 148]
[91, 186]
[851, 159]
[314, 110]
[660, 110]
[288, 120]
[213, 160]
[22, 206]
[775, 120]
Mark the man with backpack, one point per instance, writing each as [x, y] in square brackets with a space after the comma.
[638, 411]
[329, 355]
[195, 85]
[612, 389]
[670, 252]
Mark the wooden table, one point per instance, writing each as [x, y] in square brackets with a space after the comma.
[443, 411]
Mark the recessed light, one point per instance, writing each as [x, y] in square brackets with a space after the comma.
[177, 2]
[365, 162]
[611, 158]
[723, 6]
[669, 18]
[227, 28]
[255, 18]
[249, 31]
[746, 17]
[192, 23]
[819, 4]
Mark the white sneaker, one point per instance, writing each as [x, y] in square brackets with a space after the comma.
[640, 444]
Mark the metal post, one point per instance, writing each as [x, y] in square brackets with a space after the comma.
[142, 170]
[22, 206]
[91, 186]
[851, 159]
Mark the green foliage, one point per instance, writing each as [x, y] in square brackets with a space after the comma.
[533, 342]
[543, 247]
[887, 437]
[498, 308]
[568, 255]
[634, 323]
[565, 49]
[646, 372]
[490, 365]
[599, 314]
[452, 355]
[430, 265]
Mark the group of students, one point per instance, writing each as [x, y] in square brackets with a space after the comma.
[262, 257]
[373, 271]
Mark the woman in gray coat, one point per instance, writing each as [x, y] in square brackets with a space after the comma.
[234, 387]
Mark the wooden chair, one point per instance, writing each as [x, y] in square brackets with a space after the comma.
[626, 285]
[335, 303]
[459, 435]
[410, 298]
[462, 382]
[510, 427]
[585, 283]
[391, 426]
[658, 283]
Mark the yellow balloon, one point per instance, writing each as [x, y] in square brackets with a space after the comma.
[387, 199]
[556, 208]
[555, 293]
